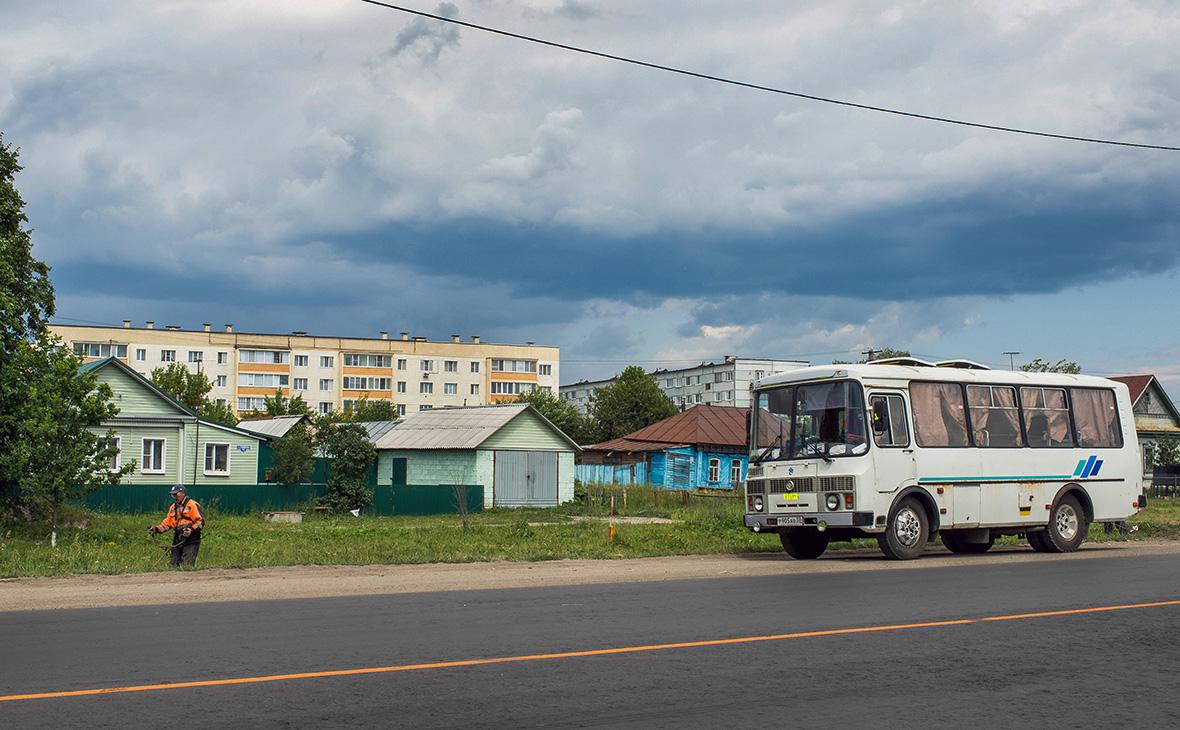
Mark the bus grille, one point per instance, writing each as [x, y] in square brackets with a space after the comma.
[795, 484]
[801, 484]
[837, 484]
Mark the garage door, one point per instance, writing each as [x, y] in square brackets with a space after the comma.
[526, 479]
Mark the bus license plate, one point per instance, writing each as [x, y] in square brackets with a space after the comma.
[790, 520]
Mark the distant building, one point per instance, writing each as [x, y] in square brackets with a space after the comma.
[702, 447]
[726, 383]
[1156, 416]
[329, 373]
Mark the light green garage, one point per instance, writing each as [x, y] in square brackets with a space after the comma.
[512, 451]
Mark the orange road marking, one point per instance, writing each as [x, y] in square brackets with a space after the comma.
[574, 654]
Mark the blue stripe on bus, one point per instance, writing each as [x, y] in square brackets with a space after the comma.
[1089, 466]
[1097, 466]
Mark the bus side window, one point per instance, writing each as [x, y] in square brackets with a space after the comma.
[889, 427]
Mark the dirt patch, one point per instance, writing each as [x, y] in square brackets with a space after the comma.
[216, 585]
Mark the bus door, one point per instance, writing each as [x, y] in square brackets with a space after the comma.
[893, 455]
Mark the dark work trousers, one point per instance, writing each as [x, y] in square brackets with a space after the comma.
[186, 552]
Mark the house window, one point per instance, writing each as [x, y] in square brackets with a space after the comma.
[475, 367]
[401, 363]
[511, 388]
[401, 409]
[251, 404]
[153, 456]
[401, 386]
[367, 361]
[428, 366]
[545, 370]
[327, 361]
[263, 380]
[514, 366]
[222, 358]
[450, 388]
[735, 471]
[356, 382]
[141, 354]
[301, 361]
[300, 384]
[714, 470]
[97, 349]
[475, 388]
[426, 388]
[167, 355]
[111, 443]
[425, 408]
[217, 460]
[325, 407]
[196, 356]
[326, 383]
[270, 357]
[222, 381]
[451, 366]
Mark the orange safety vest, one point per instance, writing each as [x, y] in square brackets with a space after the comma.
[183, 514]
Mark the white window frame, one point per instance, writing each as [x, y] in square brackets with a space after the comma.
[214, 472]
[475, 367]
[222, 381]
[450, 366]
[426, 388]
[735, 471]
[475, 389]
[450, 389]
[163, 469]
[327, 384]
[301, 361]
[167, 355]
[140, 354]
[401, 386]
[118, 441]
[327, 361]
[195, 356]
[714, 474]
[299, 384]
[222, 358]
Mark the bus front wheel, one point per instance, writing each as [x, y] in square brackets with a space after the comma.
[906, 534]
[804, 543]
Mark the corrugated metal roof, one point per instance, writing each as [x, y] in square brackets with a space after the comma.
[377, 429]
[275, 427]
[700, 425]
[448, 428]
[1136, 384]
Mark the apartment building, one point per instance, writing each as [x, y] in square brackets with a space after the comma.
[330, 373]
[725, 383]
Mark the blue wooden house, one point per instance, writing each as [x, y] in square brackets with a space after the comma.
[702, 447]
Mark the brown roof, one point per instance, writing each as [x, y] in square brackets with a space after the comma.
[1136, 383]
[702, 424]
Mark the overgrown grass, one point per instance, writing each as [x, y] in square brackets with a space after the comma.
[99, 543]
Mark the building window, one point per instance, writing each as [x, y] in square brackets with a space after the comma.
[450, 388]
[327, 361]
[544, 370]
[475, 367]
[451, 366]
[112, 443]
[196, 356]
[362, 360]
[401, 363]
[352, 382]
[300, 384]
[99, 349]
[401, 409]
[221, 402]
[153, 456]
[222, 358]
[263, 380]
[426, 387]
[514, 366]
[167, 355]
[401, 386]
[141, 354]
[270, 357]
[325, 407]
[251, 404]
[697, 397]
[714, 470]
[217, 460]
[428, 366]
[735, 471]
[301, 361]
[222, 381]
[511, 388]
[326, 383]
[475, 388]
[425, 408]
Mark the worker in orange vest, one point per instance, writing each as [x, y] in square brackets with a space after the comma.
[185, 520]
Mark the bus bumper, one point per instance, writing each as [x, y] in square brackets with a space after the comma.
[771, 523]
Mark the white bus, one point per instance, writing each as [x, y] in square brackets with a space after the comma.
[902, 450]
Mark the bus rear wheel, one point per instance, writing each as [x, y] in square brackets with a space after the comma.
[1067, 526]
[906, 534]
[804, 543]
[956, 544]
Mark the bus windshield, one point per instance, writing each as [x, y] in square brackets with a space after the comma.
[807, 421]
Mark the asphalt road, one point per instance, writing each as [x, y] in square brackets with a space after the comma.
[1083, 669]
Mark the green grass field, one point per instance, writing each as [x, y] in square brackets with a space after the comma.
[100, 543]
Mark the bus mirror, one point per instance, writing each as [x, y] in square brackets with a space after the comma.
[880, 416]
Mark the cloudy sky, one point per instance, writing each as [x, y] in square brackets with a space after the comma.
[330, 166]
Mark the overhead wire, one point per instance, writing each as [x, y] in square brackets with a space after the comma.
[761, 87]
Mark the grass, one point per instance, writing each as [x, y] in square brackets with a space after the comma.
[102, 543]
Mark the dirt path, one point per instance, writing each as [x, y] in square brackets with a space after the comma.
[216, 585]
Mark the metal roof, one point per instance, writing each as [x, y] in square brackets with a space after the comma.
[377, 429]
[449, 428]
[703, 424]
[275, 427]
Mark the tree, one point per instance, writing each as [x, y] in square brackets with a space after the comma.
[372, 410]
[630, 402]
[347, 445]
[280, 405]
[560, 413]
[49, 412]
[294, 456]
[1163, 452]
[883, 353]
[192, 390]
[1061, 366]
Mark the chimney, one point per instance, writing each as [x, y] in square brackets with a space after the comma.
[475, 339]
[454, 338]
[405, 336]
[172, 327]
[207, 326]
[126, 324]
[299, 333]
[384, 335]
[150, 324]
[229, 327]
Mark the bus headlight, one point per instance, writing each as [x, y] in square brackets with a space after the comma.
[757, 504]
[833, 502]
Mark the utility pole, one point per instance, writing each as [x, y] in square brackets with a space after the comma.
[869, 353]
[1012, 358]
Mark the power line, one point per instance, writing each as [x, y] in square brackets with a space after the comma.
[759, 87]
